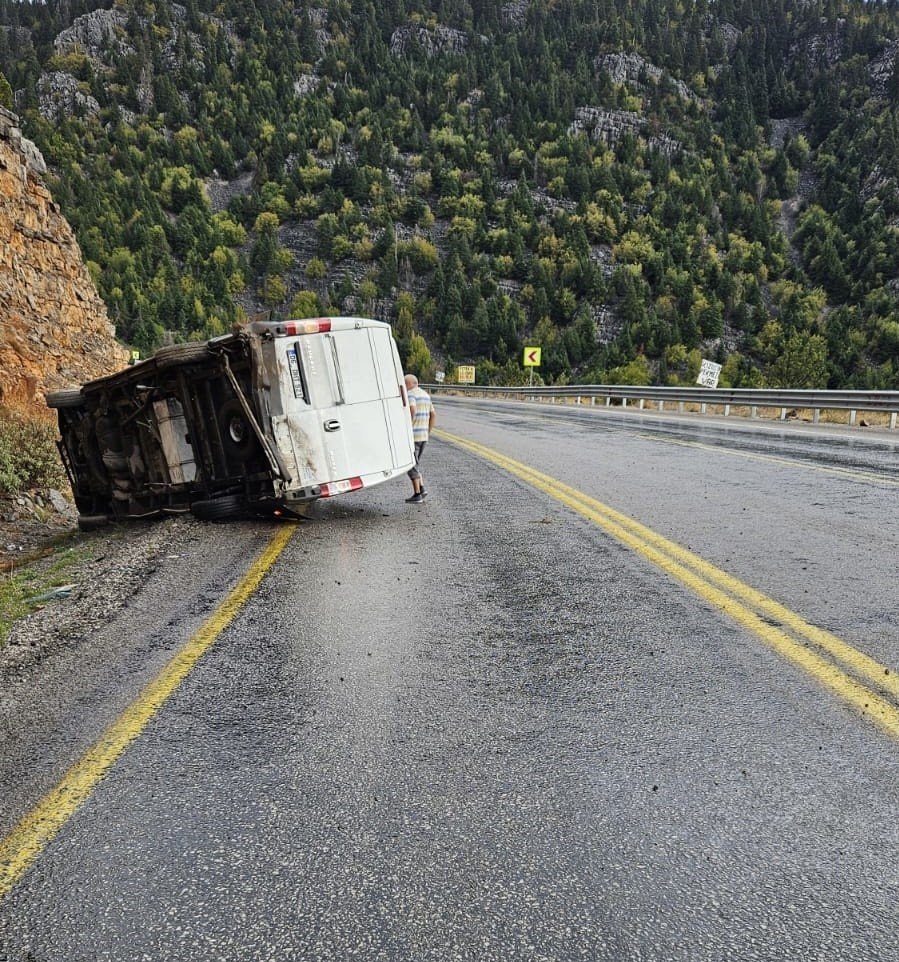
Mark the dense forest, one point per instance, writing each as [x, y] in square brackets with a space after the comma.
[630, 184]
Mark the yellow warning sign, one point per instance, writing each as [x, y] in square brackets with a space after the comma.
[532, 357]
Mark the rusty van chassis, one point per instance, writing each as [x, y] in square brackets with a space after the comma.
[181, 431]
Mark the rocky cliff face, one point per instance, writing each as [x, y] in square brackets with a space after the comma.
[434, 41]
[54, 331]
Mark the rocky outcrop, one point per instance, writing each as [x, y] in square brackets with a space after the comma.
[54, 331]
[634, 70]
[435, 41]
[306, 84]
[100, 35]
[610, 126]
[729, 33]
[883, 67]
[826, 46]
[515, 13]
[221, 192]
[318, 18]
[60, 95]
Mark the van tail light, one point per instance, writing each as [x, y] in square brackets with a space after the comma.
[341, 487]
[317, 325]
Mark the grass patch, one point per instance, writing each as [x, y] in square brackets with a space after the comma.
[20, 587]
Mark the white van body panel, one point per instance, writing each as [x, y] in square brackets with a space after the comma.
[345, 414]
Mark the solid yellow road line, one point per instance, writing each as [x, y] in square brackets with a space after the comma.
[845, 671]
[29, 838]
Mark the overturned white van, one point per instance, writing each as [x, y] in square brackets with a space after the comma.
[266, 419]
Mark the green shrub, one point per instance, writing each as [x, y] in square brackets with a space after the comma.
[28, 454]
[6, 98]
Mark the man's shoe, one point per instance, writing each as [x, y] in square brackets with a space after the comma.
[423, 493]
[415, 499]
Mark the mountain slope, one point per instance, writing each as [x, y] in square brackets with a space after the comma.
[629, 185]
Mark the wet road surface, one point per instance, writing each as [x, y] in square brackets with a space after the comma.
[481, 728]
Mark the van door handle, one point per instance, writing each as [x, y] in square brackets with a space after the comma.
[332, 425]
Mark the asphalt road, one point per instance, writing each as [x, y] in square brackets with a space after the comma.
[483, 728]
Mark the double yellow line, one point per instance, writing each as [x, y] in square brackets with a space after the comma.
[861, 682]
[29, 838]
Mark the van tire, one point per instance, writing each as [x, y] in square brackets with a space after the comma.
[219, 509]
[114, 462]
[238, 437]
[175, 354]
[91, 522]
[67, 398]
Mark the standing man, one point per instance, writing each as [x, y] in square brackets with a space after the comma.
[422, 411]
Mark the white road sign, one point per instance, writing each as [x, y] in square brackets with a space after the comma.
[708, 374]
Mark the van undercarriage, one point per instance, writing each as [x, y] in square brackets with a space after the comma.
[174, 433]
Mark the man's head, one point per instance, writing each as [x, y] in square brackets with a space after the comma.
[411, 382]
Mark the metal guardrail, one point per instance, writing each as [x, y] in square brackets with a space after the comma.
[751, 399]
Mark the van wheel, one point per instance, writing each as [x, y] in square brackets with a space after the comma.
[175, 354]
[91, 522]
[237, 435]
[114, 463]
[67, 398]
[219, 509]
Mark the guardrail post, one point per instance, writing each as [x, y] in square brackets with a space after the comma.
[579, 399]
[681, 407]
[624, 402]
[783, 414]
[893, 421]
[726, 410]
[661, 405]
[608, 402]
[702, 408]
[642, 403]
[816, 415]
[753, 411]
[592, 401]
[852, 418]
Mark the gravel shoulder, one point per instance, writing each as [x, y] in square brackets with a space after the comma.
[103, 571]
[136, 593]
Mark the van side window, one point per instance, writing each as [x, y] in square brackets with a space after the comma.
[297, 377]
